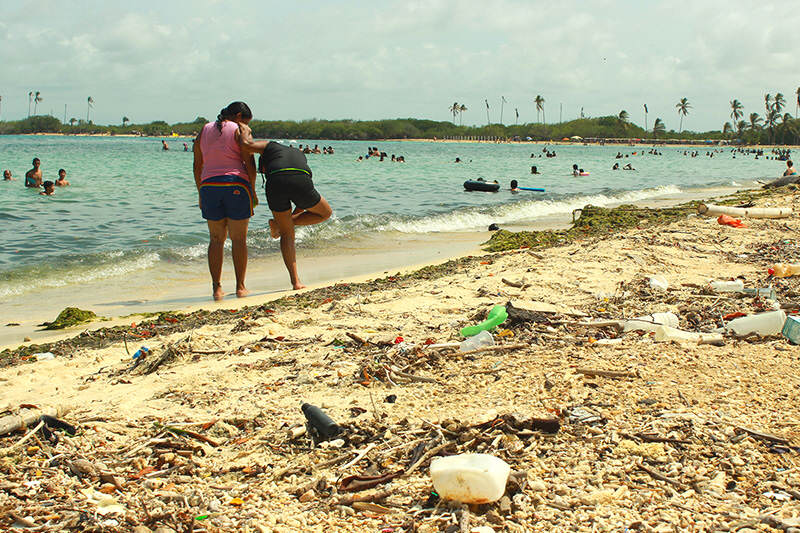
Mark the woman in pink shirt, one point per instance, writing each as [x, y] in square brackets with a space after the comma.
[224, 177]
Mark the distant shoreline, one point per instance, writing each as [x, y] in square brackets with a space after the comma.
[631, 142]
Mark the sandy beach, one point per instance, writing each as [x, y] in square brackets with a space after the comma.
[603, 430]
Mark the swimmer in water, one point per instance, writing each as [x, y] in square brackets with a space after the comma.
[7, 176]
[62, 178]
[575, 171]
[790, 171]
[49, 189]
[33, 177]
[164, 145]
[615, 167]
[534, 170]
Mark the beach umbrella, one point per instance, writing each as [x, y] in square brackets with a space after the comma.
[576, 138]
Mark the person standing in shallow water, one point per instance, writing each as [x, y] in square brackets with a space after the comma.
[224, 177]
[289, 182]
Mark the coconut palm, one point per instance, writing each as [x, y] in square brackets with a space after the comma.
[539, 101]
[502, 104]
[89, 105]
[740, 127]
[736, 110]
[683, 106]
[30, 100]
[767, 102]
[658, 127]
[755, 121]
[72, 121]
[727, 128]
[125, 120]
[645, 116]
[36, 99]
[779, 103]
[771, 121]
[454, 110]
[623, 116]
[461, 110]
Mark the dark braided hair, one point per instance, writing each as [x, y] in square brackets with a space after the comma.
[233, 109]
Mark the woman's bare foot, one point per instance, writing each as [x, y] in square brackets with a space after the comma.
[219, 294]
[273, 229]
[241, 293]
[297, 286]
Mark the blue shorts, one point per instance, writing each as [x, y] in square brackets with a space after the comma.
[226, 197]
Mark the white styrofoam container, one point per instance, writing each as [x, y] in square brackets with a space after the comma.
[470, 477]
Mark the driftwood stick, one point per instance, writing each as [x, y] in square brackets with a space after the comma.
[355, 338]
[27, 417]
[498, 348]
[606, 373]
[427, 455]
[659, 476]
[374, 496]
[763, 436]
[412, 377]
[510, 283]
[31, 433]
[358, 457]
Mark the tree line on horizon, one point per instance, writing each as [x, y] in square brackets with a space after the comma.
[775, 128]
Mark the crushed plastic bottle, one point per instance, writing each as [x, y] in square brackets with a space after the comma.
[736, 285]
[650, 322]
[483, 339]
[666, 334]
[791, 329]
[497, 316]
[770, 323]
[784, 270]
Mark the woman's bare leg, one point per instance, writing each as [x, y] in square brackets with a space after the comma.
[217, 233]
[237, 230]
[285, 225]
[305, 217]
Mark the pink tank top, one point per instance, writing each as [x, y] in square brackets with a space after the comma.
[221, 153]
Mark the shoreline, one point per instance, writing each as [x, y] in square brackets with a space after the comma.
[622, 142]
[189, 296]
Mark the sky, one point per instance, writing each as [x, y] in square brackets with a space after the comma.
[176, 60]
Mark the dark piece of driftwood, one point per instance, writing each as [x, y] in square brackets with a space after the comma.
[659, 476]
[763, 436]
[28, 417]
[510, 283]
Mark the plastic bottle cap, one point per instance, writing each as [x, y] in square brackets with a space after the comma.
[771, 271]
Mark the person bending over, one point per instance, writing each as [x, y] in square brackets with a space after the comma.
[224, 177]
[288, 181]
[33, 177]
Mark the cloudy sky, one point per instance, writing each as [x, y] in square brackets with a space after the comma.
[174, 60]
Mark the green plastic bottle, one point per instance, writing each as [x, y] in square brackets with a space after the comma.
[497, 316]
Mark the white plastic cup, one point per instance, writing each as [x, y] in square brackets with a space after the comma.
[770, 323]
[736, 285]
[470, 477]
[651, 322]
[483, 339]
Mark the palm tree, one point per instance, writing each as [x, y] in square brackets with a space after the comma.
[736, 110]
[461, 110]
[683, 110]
[454, 110]
[36, 99]
[89, 102]
[767, 102]
[72, 121]
[771, 121]
[645, 117]
[125, 120]
[755, 121]
[502, 103]
[780, 102]
[30, 100]
[740, 127]
[727, 128]
[623, 116]
[539, 101]
[658, 127]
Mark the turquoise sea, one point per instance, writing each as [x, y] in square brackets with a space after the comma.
[132, 208]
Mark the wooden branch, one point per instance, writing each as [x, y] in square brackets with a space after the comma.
[355, 338]
[606, 373]
[375, 496]
[31, 433]
[659, 476]
[712, 210]
[360, 456]
[27, 417]
[516, 284]
[497, 348]
[427, 455]
[764, 436]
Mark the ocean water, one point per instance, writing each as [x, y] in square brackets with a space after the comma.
[132, 207]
